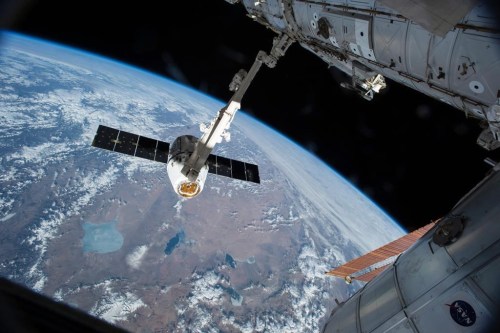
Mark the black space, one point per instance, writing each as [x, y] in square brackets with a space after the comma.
[414, 156]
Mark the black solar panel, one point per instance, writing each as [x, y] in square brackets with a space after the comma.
[126, 143]
[223, 166]
[252, 173]
[131, 144]
[162, 152]
[146, 148]
[140, 146]
[212, 164]
[238, 170]
[105, 137]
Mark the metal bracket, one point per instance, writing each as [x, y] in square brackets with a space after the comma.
[489, 138]
[364, 81]
[281, 43]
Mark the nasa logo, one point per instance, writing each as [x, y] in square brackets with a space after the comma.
[462, 313]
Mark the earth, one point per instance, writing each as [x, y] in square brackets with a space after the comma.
[106, 233]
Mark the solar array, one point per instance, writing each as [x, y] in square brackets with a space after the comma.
[389, 250]
[223, 166]
[155, 150]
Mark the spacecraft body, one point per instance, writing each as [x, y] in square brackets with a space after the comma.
[175, 156]
[450, 50]
[189, 159]
[446, 49]
[180, 151]
[446, 282]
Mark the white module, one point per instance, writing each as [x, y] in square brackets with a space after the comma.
[180, 151]
[446, 49]
[447, 282]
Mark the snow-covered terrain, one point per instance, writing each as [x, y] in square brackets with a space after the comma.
[241, 257]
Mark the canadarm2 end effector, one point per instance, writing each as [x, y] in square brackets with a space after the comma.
[221, 123]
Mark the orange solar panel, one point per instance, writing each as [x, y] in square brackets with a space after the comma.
[387, 251]
[371, 274]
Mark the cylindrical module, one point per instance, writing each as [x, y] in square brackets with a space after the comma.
[180, 151]
[458, 65]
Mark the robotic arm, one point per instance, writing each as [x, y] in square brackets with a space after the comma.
[219, 126]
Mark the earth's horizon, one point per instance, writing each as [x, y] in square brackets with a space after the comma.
[106, 233]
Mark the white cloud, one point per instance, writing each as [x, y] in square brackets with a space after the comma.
[7, 217]
[134, 259]
[74, 199]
